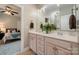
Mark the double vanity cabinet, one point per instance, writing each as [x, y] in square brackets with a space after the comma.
[45, 44]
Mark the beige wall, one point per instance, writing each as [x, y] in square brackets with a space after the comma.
[19, 24]
[9, 21]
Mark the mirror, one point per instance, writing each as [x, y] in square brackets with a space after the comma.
[59, 15]
[64, 16]
[65, 13]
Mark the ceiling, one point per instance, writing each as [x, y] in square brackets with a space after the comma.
[49, 8]
[14, 7]
[39, 6]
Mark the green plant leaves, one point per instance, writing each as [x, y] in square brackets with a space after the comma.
[48, 27]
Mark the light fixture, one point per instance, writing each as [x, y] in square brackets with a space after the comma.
[8, 13]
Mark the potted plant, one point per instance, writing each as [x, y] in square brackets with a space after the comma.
[48, 27]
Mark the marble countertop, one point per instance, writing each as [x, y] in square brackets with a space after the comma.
[67, 36]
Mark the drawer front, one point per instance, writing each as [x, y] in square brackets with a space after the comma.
[75, 49]
[39, 37]
[61, 51]
[32, 35]
[60, 43]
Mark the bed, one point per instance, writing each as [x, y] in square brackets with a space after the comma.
[11, 36]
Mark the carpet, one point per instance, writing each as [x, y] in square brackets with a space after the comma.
[10, 48]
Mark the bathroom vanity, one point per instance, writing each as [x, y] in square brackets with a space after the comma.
[54, 43]
[64, 36]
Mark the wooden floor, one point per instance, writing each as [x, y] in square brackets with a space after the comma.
[27, 52]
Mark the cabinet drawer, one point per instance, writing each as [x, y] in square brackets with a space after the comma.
[75, 49]
[32, 35]
[59, 42]
[39, 37]
[62, 51]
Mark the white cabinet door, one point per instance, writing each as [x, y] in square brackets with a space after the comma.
[40, 45]
[49, 49]
[56, 47]
[32, 38]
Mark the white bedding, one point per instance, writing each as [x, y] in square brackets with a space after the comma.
[8, 36]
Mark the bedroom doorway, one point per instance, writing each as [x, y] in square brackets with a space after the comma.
[10, 29]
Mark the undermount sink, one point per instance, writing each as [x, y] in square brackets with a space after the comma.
[59, 33]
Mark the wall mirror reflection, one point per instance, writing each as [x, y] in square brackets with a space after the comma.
[63, 16]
